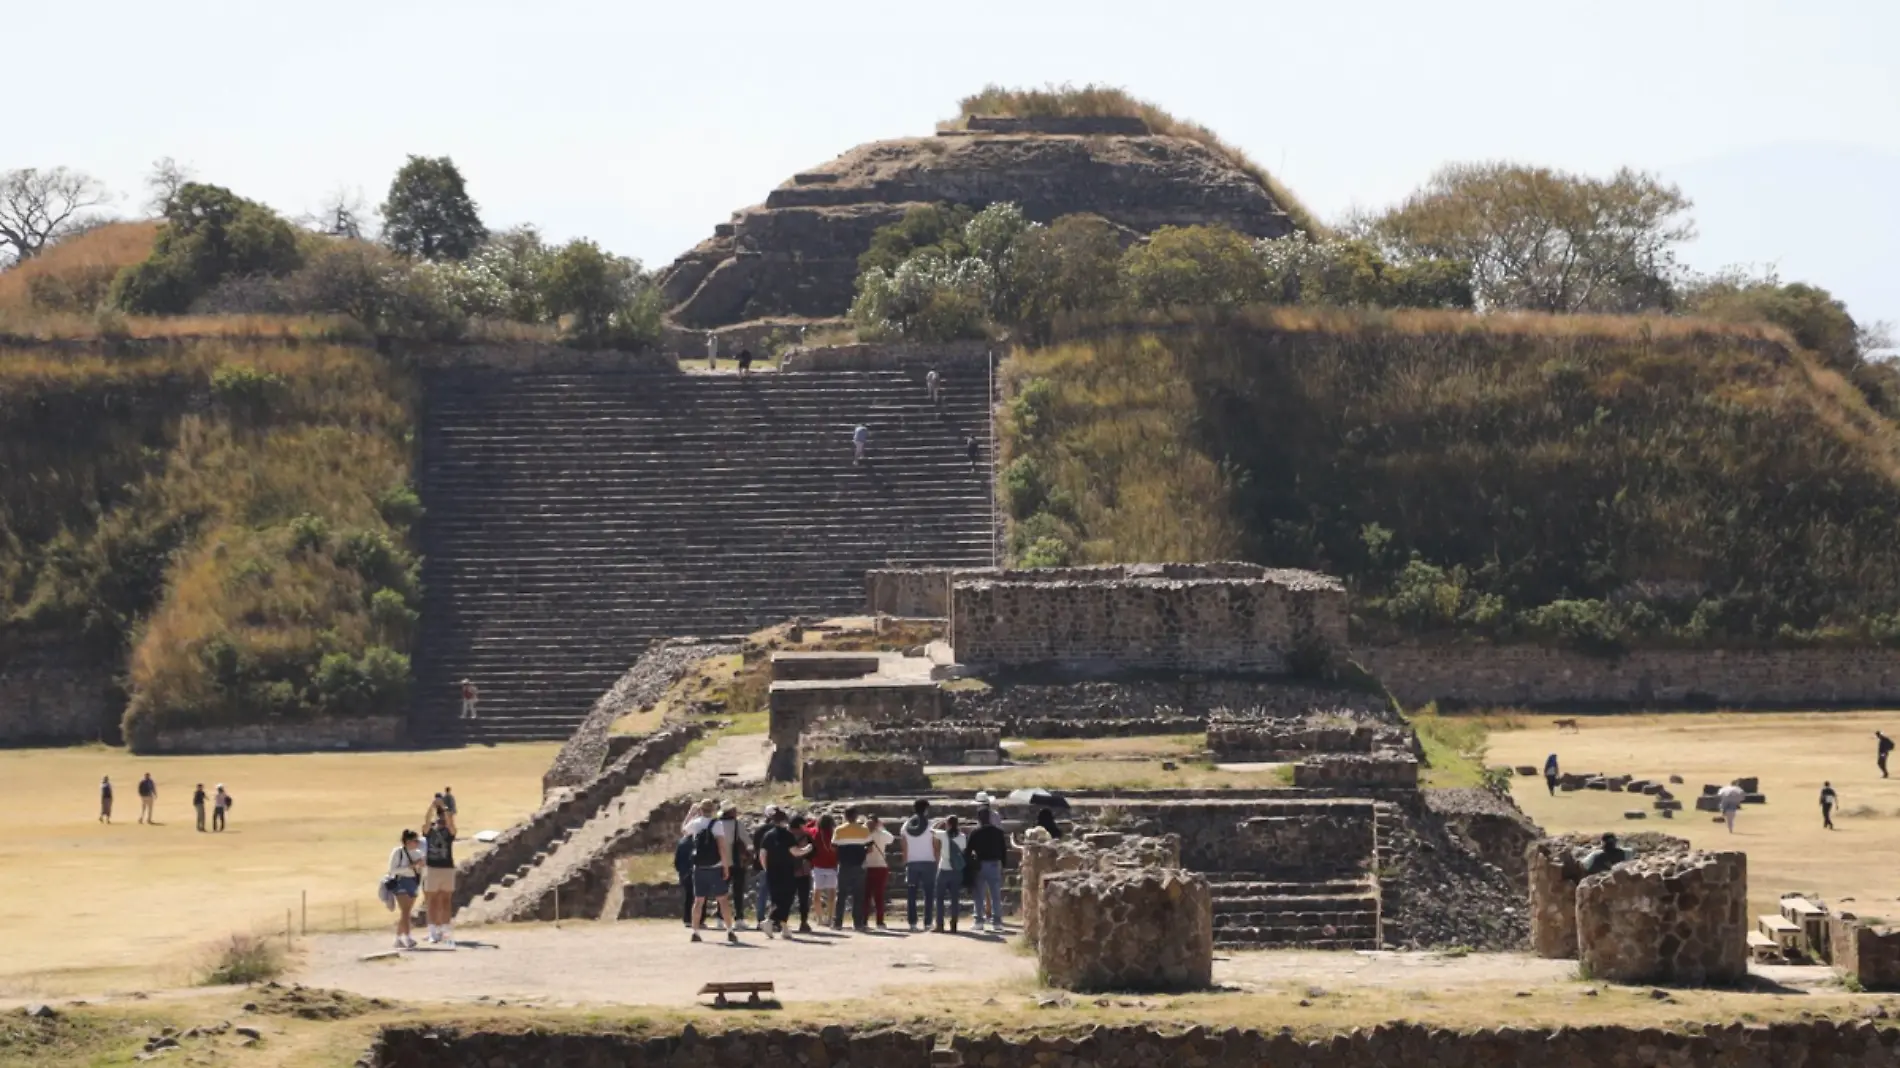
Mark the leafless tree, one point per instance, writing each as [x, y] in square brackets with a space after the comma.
[38, 207]
[344, 213]
[164, 180]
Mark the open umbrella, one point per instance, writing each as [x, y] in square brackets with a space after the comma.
[1038, 797]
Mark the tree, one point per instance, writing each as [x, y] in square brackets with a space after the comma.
[209, 234]
[609, 300]
[429, 214]
[1199, 265]
[1810, 314]
[344, 213]
[924, 226]
[38, 207]
[163, 182]
[1352, 272]
[1546, 240]
[1071, 265]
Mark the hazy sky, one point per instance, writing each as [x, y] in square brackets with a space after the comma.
[642, 125]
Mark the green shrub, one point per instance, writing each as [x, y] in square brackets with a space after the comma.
[244, 960]
[1024, 489]
[209, 234]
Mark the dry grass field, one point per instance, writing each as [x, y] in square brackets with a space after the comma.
[90, 907]
[1792, 753]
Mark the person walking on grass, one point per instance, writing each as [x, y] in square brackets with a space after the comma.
[877, 868]
[852, 842]
[920, 863]
[860, 443]
[712, 867]
[198, 805]
[438, 872]
[1829, 799]
[1884, 747]
[952, 847]
[1551, 774]
[405, 883]
[824, 869]
[1729, 799]
[988, 846]
[148, 799]
[105, 799]
[221, 803]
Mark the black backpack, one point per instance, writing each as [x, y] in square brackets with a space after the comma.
[706, 848]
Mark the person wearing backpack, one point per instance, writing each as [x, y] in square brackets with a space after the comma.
[951, 847]
[920, 863]
[712, 867]
[221, 803]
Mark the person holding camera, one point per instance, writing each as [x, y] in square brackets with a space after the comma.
[438, 872]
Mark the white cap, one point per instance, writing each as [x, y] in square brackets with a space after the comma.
[982, 798]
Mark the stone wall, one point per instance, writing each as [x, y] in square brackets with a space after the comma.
[933, 743]
[1126, 929]
[1869, 954]
[837, 775]
[1254, 738]
[914, 592]
[1351, 771]
[287, 736]
[796, 707]
[1554, 867]
[1079, 125]
[1666, 919]
[566, 809]
[55, 693]
[1240, 625]
[592, 747]
[1796, 1044]
[1483, 674]
[1294, 838]
[1043, 857]
[527, 356]
[1102, 708]
[961, 358]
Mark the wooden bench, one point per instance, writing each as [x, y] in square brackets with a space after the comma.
[1763, 948]
[1786, 935]
[751, 989]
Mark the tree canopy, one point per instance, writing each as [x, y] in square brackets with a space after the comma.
[428, 213]
[209, 234]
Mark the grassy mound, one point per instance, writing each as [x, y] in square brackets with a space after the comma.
[1594, 481]
[231, 518]
[74, 275]
[1068, 101]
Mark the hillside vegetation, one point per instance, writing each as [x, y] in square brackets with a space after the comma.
[227, 519]
[1595, 481]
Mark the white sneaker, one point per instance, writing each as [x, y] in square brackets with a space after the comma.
[448, 935]
[400, 944]
[408, 942]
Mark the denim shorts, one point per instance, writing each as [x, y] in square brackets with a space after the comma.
[406, 886]
[709, 882]
[824, 878]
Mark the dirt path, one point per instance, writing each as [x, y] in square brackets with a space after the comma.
[738, 758]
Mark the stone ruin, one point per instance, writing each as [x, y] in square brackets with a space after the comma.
[1669, 918]
[1261, 735]
[1112, 912]
[1555, 869]
[1804, 929]
[1386, 770]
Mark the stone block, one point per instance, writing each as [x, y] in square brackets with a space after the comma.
[1042, 856]
[1667, 919]
[1525, 769]
[1868, 953]
[1755, 799]
[1707, 803]
[1635, 814]
[1749, 784]
[982, 756]
[1137, 929]
[1665, 805]
[1392, 770]
[861, 776]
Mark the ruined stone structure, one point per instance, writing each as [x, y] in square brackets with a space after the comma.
[1126, 929]
[1256, 737]
[834, 775]
[55, 693]
[1870, 953]
[796, 255]
[1793, 1044]
[945, 742]
[1262, 622]
[1345, 771]
[1666, 919]
[1043, 857]
[575, 514]
[1554, 868]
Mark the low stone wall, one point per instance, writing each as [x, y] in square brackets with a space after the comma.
[1666, 919]
[1043, 857]
[796, 707]
[1292, 838]
[1482, 674]
[55, 693]
[567, 809]
[592, 747]
[1146, 929]
[1801, 1044]
[953, 357]
[1554, 868]
[936, 743]
[1257, 738]
[914, 592]
[1133, 624]
[1870, 954]
[1084, 125]
[1101, 708]
[651, 901]
[1346, 771]
[836, 776]
[368, 732]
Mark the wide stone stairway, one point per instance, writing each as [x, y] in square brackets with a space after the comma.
[574, 517]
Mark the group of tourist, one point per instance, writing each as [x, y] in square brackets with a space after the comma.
[819, 865]
[220, 803]
[423, 865]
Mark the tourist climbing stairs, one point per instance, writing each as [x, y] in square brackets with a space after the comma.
[571, 518]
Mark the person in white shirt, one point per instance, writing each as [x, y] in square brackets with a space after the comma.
[951, 846]
[877, 868]
[712, 864]
[920, 863]
[405, 884]
[860, 441]
[934, 383]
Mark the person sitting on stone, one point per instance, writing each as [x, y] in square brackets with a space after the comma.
[1605, 856]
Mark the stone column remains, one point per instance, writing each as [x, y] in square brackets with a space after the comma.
[1146, 929]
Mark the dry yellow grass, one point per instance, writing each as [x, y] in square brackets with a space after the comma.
[79, 267]
[86, 907]
[1792, 754]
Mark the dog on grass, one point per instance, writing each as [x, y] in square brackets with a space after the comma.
[1567, 725]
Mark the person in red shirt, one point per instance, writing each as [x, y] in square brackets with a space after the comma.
[469, 699]
[824, 869]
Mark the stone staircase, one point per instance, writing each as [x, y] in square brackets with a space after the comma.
[1253, 912]
[574, 517]
[530, 890]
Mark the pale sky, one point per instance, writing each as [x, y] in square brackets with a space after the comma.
[641, 124]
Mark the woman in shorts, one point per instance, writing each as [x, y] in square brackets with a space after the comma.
[405, 882]
[438, 873]
[824, 869]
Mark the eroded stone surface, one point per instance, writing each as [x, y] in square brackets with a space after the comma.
[1668, 918]
[1127, 929]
